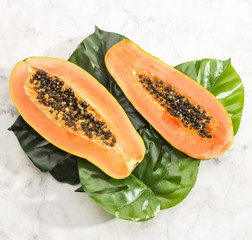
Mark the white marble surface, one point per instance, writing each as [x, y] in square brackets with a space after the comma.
[35, 206]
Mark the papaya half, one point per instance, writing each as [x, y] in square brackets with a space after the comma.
[187, 115]
[73, 111]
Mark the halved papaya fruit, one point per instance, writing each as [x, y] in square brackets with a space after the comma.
[187, 115]
[73, 111]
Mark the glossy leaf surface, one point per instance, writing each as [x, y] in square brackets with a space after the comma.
[128, 198]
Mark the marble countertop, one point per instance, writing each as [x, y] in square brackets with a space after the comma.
[35, 206]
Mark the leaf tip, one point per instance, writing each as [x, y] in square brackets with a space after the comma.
[97, 29]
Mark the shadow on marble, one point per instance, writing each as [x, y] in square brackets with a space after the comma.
[66, 209]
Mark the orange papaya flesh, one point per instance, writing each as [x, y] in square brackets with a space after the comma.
[73, 111]
[187, 115]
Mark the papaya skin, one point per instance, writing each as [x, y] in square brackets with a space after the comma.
[125, 60]
[118, 161]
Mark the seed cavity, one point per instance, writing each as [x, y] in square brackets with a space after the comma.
[67, 108]
[193, 116]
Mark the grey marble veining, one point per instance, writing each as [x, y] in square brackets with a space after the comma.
[35, 206]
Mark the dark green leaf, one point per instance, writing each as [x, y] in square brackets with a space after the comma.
[44, 155]
[67, 171]
[220, 78]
